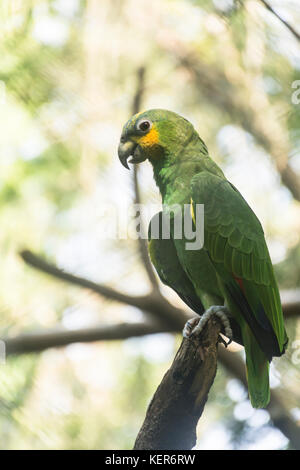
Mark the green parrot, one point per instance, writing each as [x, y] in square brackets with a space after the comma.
[232, 274]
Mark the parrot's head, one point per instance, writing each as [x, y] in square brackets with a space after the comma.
[155, 135]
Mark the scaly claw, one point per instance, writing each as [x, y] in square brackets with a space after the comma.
[190, 326]
[196, 325]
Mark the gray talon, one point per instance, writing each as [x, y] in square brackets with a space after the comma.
[196, 325]
[189, 327]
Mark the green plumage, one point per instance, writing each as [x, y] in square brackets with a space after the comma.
[163, 255]
[234, 265]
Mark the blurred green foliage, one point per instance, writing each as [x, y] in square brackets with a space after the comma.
[68, 70]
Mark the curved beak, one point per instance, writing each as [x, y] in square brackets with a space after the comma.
[128, 148]
[125, 150]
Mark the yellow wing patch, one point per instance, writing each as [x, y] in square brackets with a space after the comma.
[148, 140]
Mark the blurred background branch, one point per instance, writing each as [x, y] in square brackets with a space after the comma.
[39, 341]
[149, 302]
[153, 303]
[288, 25]
[143, 249]
[71, 75]
[256, 116]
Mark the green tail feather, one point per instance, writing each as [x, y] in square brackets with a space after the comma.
[257, 366]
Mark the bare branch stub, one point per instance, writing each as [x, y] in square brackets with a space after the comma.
[178, 403]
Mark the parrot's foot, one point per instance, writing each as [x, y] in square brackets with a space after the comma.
[190, 326]
[196, 324]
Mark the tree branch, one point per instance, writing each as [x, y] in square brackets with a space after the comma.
[171, 319]
[255, 116]
[143, 249]
[178, 403]
[42, 340]
[283, 21]
[138, 96]
[290, 300]
[153, 303]
[49, 268]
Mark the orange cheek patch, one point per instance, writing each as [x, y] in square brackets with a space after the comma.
[150, 139]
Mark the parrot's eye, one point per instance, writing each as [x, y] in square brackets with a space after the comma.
[144, 125]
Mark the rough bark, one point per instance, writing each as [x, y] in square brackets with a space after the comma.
[178, 403]
[170, 318]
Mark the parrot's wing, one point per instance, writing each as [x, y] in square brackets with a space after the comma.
[235, 242]
[165, 260]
